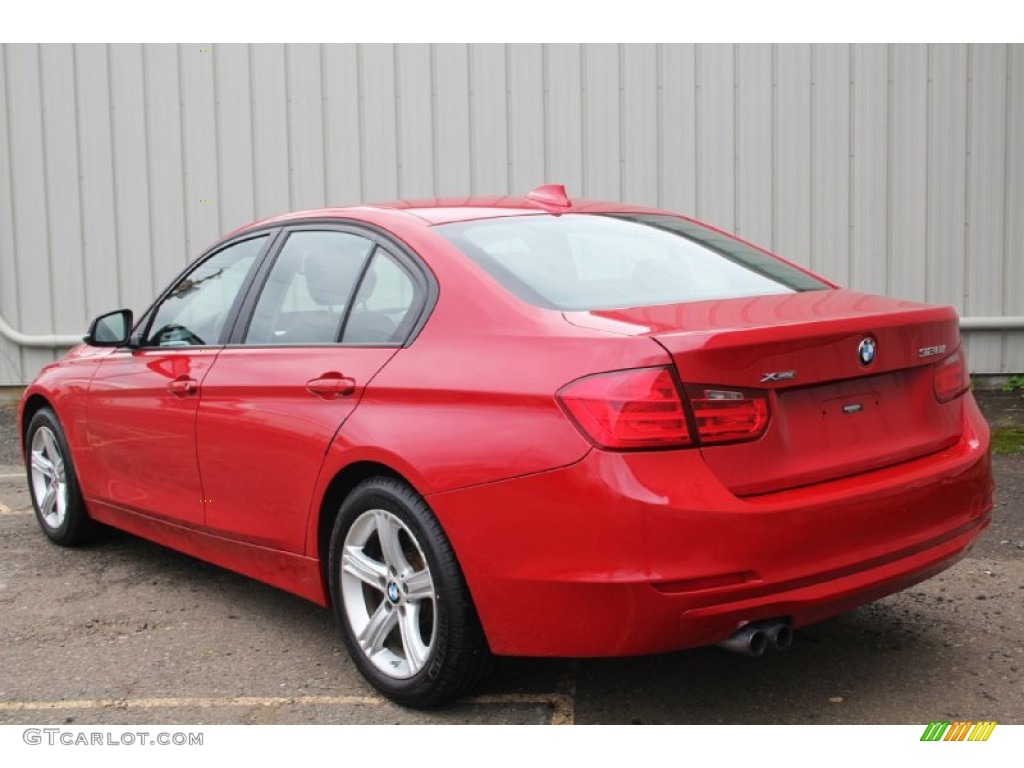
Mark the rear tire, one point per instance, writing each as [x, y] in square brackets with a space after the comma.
[53, 484]
[405, 612]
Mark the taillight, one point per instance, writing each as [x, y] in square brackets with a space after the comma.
[643, 408]
[726, 415]
[951, 378]
[638, 408]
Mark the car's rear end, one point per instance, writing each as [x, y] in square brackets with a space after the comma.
[801, 450]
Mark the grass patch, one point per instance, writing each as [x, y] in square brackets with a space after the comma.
[1007, 440]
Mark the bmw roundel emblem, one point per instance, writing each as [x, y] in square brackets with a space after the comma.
[393, 593]
[866, 351]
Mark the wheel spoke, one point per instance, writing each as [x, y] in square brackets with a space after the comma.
[60, 491]
[49, 500]
[50, 444]
[419, 586]
[387, 531]
[372, 638]
[356, 562]
[40, 463]
[415, 651]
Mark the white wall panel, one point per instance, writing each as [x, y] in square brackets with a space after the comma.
[233, 94]
[268, 80]
[869, 164]
[601, 124]
[453, 149]
[716, 132]
[947, 171]
[1013, 209]
[986, 188]
[305, 126]
[28, 182]
[342, 124]
[60, 147]
[640, 130]
[168, 233]
[793, 152]
[678, 159]
[908, 170]
[199, 139]
[96, 159]
[830, 162]
[415, 104]
[131, 176]
[379, 126]
[564, 115]
[11, 367]
[889, 168]
[488, 119]
[754, 143]
[527, 154]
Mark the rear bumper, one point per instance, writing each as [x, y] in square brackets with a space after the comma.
[630, 553]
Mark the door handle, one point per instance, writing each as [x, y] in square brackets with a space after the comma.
[331, 384]
[183, 386]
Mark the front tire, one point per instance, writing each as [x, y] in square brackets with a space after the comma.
[53, 483]
[405, 612]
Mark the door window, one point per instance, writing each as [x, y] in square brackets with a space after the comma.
[196, 309]
[382, 308]
[309, 289]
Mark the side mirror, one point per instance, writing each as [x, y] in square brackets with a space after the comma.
[110, 330]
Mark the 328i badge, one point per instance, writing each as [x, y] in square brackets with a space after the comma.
[520, 426]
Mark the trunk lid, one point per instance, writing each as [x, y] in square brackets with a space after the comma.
[837, 408]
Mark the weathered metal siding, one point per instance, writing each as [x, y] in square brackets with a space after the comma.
[891, 168]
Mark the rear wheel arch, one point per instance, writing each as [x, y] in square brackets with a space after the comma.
[404, 609]
[342, 484]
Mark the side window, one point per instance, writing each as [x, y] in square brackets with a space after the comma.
[381, 312]
[194, 312]
[309, 289]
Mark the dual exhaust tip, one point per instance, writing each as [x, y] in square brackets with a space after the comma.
[756, 638]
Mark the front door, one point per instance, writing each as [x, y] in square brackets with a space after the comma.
[143, 401]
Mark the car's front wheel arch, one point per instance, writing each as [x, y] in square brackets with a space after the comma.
[33, 404]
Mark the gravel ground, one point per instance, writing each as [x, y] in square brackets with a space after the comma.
[10, 448]
[124, 631]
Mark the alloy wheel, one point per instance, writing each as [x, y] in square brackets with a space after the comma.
[388, 594]
[49, 481]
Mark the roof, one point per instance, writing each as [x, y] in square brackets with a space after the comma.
[434, 211]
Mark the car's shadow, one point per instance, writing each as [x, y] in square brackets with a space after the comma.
[885, 652]
[870, 650]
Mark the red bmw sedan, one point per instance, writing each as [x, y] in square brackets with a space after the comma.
[520, 426]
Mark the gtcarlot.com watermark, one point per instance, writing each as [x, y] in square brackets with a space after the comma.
[68, 737]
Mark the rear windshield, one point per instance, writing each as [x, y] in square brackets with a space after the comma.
[591, 262]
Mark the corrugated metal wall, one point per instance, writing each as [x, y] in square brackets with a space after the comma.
[890, 168]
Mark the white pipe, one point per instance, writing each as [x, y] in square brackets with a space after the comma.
[1008, 323]
[45, 342]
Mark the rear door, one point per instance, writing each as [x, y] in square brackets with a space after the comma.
[334, 306]
[143, 400]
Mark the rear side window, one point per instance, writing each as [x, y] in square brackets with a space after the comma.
[382, 309]
[309, 289]
[592, 262]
